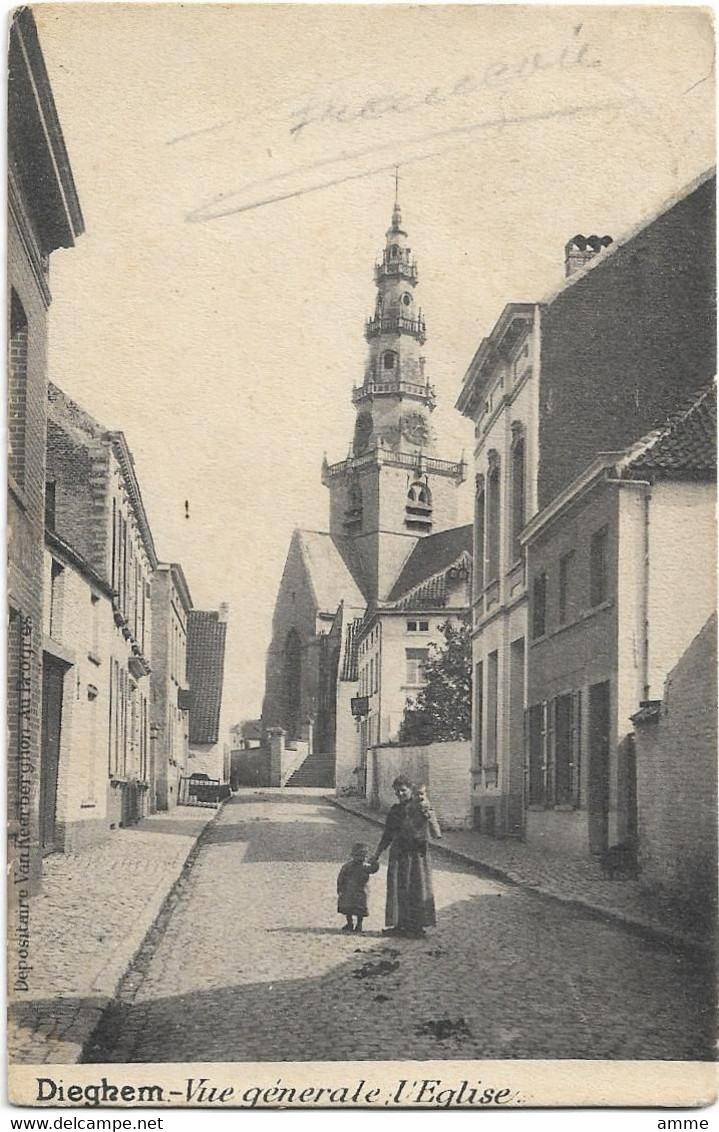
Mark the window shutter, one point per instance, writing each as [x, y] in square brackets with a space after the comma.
[535, 717]
[549, 737]
[576, 763]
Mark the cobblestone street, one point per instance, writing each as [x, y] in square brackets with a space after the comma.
[250, 964]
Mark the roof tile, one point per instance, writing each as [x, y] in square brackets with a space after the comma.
[687, 442]
[431, 556]
[206, 636]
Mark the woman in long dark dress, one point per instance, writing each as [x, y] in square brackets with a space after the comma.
[410, 898]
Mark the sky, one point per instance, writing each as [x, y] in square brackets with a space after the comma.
[235, 167]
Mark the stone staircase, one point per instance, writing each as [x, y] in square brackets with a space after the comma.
[317, 769]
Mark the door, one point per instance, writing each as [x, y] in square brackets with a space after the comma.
[515, 784]
[52, 680]
[598, 801]
[630, 793]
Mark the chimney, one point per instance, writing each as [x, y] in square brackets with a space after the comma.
[581, 249]
[223, 612]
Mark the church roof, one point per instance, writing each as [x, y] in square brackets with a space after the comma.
[431, 557]
[436, 592]
[334, 569]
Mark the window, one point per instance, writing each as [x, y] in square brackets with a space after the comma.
[411, 626]
[95, 608]
[565, 571]
[17, 389]
[521, 362]
[493, 521]
[407, 299]
[419, 506]
[114, 545]
[479, 711]
[424, 626]
[418, 626]
[293, 683]
[50, 494]
[492, 705]
[376, 674]
[518, 493]
[598, 586]
[416, 660]
[479, 535]
[371, 676]
[418, 495]
[56, 594]
[566, 754]
[554, 752]
[539, 605]
[388, 359]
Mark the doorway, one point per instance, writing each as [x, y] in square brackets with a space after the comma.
[53, 673]
[598, 784]
[515, 784]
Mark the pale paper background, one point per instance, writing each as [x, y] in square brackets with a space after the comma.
[221, 328]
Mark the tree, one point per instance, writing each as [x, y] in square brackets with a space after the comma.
[442, 709]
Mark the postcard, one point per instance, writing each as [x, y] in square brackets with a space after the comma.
[361, 699]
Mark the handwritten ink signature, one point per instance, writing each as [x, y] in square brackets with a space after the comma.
[494, 76]
[307, 140]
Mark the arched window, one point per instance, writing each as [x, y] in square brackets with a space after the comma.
[518, 488]
[293, 684]
[492, 537]
[363, 433]
[479, 550]
[394, 251]
[419, 495]
[353, 513]
[418, 510]
[389, 359]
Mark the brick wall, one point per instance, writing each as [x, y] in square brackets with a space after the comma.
[26, 507]
[582, 649]
[677, 779]
[627, 341]
[443, 767]
[79, 466]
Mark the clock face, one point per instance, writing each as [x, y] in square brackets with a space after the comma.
[415, 428]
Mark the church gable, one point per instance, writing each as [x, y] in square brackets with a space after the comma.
[297, 602]
[328, 571]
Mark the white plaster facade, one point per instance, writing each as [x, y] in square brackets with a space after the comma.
[500, 394]
[79, 638]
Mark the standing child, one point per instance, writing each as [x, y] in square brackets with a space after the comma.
[352, 885]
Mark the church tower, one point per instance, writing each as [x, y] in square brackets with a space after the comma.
[392, 490]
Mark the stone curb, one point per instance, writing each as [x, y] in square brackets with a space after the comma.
[645, 928]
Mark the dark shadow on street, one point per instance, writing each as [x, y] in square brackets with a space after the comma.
[176, 827]
[547, 983]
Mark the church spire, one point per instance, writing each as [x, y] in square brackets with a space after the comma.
[397, 212]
